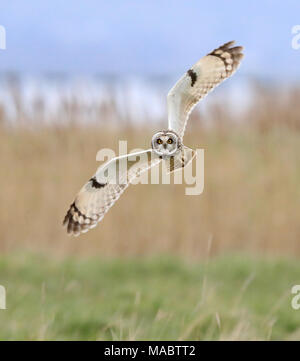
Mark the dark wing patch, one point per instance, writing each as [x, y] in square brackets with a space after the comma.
[193, 76]
[96, 184]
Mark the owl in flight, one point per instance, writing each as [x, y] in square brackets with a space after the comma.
[98, 195]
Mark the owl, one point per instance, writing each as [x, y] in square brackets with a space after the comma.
[98, 195]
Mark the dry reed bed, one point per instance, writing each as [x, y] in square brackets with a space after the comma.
[250, 201]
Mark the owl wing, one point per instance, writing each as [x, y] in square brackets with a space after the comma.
[203, 77]
[99, 194]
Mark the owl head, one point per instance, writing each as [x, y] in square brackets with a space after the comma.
[165, 143]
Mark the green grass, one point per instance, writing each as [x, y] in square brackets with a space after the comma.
[233, 297]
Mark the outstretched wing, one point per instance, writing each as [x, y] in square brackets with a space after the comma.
[99, 194]
[203, 77]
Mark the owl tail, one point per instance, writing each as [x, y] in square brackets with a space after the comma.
[180, 159]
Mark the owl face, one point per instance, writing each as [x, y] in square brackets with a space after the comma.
[165, 143]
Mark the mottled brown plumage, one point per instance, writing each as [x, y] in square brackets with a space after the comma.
[98, 195]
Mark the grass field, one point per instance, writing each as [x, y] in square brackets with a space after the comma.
[233, 297]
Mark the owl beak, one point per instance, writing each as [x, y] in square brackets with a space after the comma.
[165, 146]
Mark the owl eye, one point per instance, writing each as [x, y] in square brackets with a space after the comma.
[170, 141]
[159, 141]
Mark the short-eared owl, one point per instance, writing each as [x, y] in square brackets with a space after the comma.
[97, 196]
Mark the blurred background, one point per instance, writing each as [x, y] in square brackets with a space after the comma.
[79, 76]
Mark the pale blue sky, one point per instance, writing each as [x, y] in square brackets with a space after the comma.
[146, 37]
